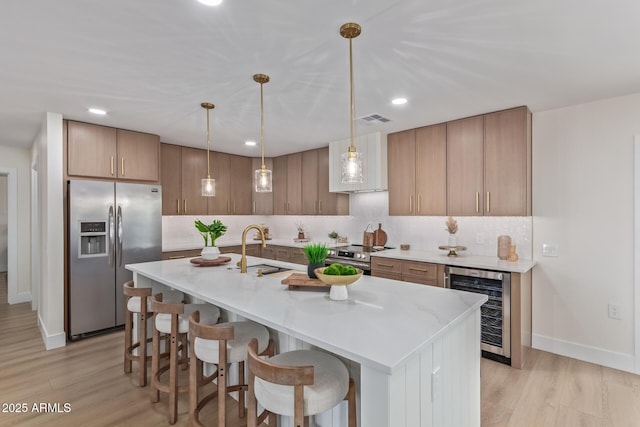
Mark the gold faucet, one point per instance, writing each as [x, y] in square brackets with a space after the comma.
[243, 260]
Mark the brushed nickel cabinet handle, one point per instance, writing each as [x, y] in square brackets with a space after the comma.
[477, 202]
[178, 206]
[315, 206]
[418, 210]
[184, 206]
[319, 206]
[410, 204]
[234, 207]
[424, 270]
[122, 166]
[381, 264]
[176, 257]
[488, 201]
[254, 207]
[112, 165]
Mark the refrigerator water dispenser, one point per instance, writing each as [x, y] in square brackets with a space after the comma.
[93, 239]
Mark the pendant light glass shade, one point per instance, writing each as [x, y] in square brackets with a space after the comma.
[351, 160]
[208, 184]
[262, 177]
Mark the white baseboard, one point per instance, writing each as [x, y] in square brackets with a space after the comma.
[21, 297]
[51, 341]
[611, 359]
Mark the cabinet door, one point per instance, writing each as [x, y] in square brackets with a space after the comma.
[280, 185]
[507, 162]
[138, 155]
[294, 184]
[329, 203]
[194, 168]
[401, 155]
[465, 159]
[171, 160]
[262, 202]
[241, 185]
[431, 170]
[309, 182]
[221, 204]
[91, 150]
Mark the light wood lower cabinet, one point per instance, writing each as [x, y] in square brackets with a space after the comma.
[191, 253]
[424, 273]
[284, 253]
[250, 250]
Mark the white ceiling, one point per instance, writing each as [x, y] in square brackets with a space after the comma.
[150, 63]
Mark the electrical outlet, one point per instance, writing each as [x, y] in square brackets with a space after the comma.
[615, 311]
[549, 249]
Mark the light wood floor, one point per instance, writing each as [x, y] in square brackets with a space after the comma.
[551, 391]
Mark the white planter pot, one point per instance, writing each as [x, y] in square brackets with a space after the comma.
[338, 293]
[210, 252]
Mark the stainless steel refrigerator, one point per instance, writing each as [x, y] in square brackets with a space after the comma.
[110, 225]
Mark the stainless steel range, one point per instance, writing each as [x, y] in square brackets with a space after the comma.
[355, 255]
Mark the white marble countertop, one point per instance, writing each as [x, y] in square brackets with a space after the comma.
[462, 260]
[381, 325]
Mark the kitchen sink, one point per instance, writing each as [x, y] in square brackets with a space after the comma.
[266, 269]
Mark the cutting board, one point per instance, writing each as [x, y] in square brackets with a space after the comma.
[297, 280]
[201, 262]
[379, 236]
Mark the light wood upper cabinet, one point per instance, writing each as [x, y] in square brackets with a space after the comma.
[91, 150]
[465, 166]
[182, 171]
[233, 185]
[417, 161]
[104, 152]
[138, 155]
[280, 185]
[507, 162]
[262, 202]
[329, 203]
[294, 184]
[309, 182]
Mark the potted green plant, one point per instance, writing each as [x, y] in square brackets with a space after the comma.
[210, 233]
[316, 253]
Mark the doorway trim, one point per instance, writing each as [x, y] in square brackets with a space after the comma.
[12, 236]
[636, 256]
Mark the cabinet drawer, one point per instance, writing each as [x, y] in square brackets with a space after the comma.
[297, 256]
[268, 252]
[420, 269]
[282, 253]
[386, 265]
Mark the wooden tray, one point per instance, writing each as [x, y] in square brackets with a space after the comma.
[297, 280]
[201, 262]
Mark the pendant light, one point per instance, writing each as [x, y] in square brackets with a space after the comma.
[208, 183]
[263, 176]
[351, 160]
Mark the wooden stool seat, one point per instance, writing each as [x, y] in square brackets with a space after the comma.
[138, 302]
[221, 344]
[298, 383]
[172, 319]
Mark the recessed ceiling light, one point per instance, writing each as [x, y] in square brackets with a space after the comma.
[250, 143]
[210, 2]
[399, 101]
[97, 111]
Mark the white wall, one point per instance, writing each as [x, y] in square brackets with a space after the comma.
[583, 202]
[4, 220]
[47, 148]
[18, 159]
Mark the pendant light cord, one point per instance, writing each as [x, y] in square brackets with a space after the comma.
[352, 100]
[208, 146]
[263, 167]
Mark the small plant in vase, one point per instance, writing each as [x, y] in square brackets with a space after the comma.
[210, 233]
[316, 254]
[334, 236]
[300, 227]
[452, 228]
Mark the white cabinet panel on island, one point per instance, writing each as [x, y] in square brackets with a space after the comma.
[414, 351]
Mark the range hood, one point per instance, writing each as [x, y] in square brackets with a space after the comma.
[373, 147]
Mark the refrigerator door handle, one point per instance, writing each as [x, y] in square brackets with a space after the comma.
[119, 226]
[111, 242]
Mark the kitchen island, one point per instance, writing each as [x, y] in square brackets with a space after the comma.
[414, 351]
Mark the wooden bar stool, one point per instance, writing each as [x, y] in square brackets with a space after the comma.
[222, 345]
[297, 383]
[173, 319]
[138, 302]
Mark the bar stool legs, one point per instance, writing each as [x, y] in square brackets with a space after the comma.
[136, 303]
[222, 345]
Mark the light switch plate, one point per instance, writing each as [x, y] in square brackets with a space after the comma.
[549, 249]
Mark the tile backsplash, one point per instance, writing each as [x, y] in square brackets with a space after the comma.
[478, 234]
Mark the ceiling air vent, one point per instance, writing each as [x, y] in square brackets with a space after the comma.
[373, 119]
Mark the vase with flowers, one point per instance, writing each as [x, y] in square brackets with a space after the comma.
[210, 232]
[452, 228]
